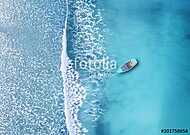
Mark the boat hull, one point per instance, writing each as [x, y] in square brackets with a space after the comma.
[134, 63]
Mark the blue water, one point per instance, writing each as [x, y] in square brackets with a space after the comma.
[31, 86]
[154, 95]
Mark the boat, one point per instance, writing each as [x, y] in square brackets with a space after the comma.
[128, 66]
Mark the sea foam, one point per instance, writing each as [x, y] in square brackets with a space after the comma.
[74, 92]
[87, 32]
[83, 34]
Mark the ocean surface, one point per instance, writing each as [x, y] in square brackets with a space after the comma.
[51, 81]
[156, 94]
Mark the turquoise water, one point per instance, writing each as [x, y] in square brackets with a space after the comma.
[37, 98]
[155, 95]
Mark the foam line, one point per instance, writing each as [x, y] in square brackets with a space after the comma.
[74, 92]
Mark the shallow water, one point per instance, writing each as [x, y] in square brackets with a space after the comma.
[31, 87]
[155, 94]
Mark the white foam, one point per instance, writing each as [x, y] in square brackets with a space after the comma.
[74, 92]
[88, 42]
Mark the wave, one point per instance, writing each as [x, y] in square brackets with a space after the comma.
[74, 92]
[86, 36]
[83, 40]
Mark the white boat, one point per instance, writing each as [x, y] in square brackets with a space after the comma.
[127, 66]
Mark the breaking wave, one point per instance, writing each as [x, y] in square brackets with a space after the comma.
[32, 33]
[83, 40]
[74, 92]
